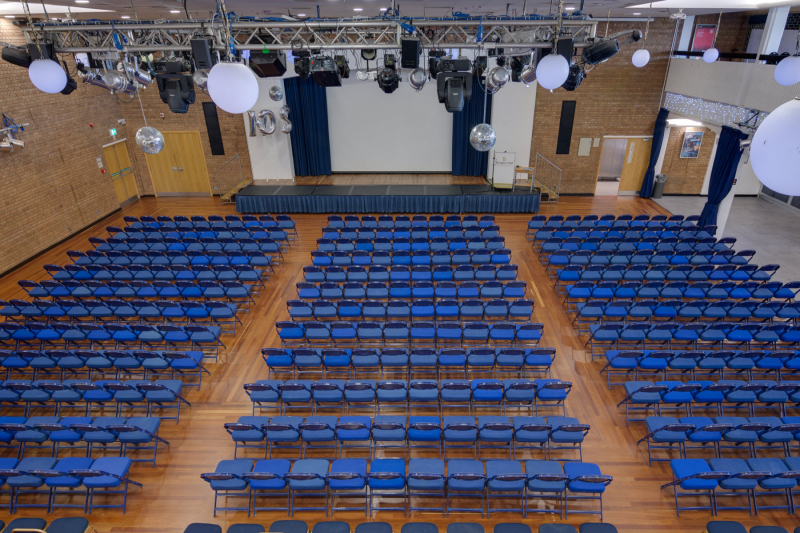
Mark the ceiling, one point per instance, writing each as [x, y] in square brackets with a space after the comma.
[162, 9]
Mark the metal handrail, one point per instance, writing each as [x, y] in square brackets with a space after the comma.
[226, 170]
[546, 176]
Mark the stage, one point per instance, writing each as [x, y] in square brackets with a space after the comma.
[385, 199]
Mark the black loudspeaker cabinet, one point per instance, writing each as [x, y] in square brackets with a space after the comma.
[565, 126]
[201, 53]
[212, 126]
[564, 47]
[409, 53]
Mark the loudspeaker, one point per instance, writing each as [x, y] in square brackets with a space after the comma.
[201, 53]
[41, 51]
[564, 47]
[565, 126]
[409, 53]
[212, 126]
[271, 64]
[16, 57]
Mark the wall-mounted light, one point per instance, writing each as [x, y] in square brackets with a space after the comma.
[684, 123]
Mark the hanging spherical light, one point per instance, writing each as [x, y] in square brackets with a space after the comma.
[482, 137]
[233, 87]
[787, 72]
[775, 149]
[640, 58]
[710, 55]
[47, 76]
[150, 140]
[275, 93]
[499, 76]
[417, 78]
[200, 78]
[552, 71]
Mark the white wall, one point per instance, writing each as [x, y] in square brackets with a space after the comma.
[405, 131]
[746, 180]
[270, 155]
[512, 120]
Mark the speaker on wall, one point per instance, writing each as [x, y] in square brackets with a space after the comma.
[565, 126]
[212, 126]
[409, 53]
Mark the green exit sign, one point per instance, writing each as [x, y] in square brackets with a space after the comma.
[113, 131]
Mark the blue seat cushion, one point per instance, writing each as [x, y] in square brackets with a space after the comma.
[111, 465]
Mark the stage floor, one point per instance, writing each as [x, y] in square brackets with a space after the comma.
[385, 199]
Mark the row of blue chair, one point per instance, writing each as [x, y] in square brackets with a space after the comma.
[665, 273]
[482, 256]
[87, 363]
[406, 221]
[267, 254]
[381, 236]
[666, 363]
[228, 241]
[299, 526]
[716, 335]
[357, 273]
[758, 433]
[71, 476]
[244, 273]
[679, 290]
[538, 221]
[383, 361]
[408, 395]
[632, 244]
[354, 290]
[199, 220]
[128, 311]
[643, 396]
[139, 394]
[414, 244]
[751, 478]
[127, 436]
[394, 479]
[630, 238]
[563, 258]
[362, 433]
[598, 311]
[442, 333]
[36, 335]
[231, 291]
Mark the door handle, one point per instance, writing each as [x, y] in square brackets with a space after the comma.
[174, 169]
[180, 169]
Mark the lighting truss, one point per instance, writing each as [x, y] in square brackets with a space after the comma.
[175, 36]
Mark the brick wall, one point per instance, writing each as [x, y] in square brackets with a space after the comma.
[52, 187]
[231, 126]
[616, 98]
[685, 176]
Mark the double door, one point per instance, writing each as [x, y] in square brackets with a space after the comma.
[121, 171]
[180, 168]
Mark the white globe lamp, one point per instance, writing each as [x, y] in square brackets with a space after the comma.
[775, 149]
[47, 76]
[710, 55]
[552, 71]
[233, 87]
[787, 72]
[640, 58]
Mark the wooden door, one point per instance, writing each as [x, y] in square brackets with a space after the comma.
[180, 168]
[121, 171]
[637, 157]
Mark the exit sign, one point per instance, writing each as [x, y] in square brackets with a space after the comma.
[113, 131]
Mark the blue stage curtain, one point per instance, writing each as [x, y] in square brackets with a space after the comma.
[655, 149]
[467, 161]
[722, 173]
[308, 112]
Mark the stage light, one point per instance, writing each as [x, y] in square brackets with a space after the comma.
[388, 80]
[115, 81]
[175, 84]
[368, 54]
[775, 150]
[640, 58]
[302, 67]
[200, 78]
[19, 143]
[417, 78]
[496, 79]
[528, 75]
[787, 72]
[600, 51]
[710, 55]
[343, 65]
[575, 77]
[454, 83]
[233, 87]
[552, 71]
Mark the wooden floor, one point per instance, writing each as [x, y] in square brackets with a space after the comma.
[174, 495]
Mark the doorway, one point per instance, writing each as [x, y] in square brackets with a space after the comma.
[122, 176]
[623, 163]
[180, 168]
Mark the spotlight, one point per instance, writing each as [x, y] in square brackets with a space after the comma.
[389, 61]
[388, 80]
[343, 65]
[175, 85]
[6, 146]
[200, 78]
[19, 143]
[517, 64]
[479, 65]
[601, 50]
[453, 85]
[434, 56]
[325, 72]
[368, 54]
[302, 67]
[575, 77]
[268, 64]
[417, 79]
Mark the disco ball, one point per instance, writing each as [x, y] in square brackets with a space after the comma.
[275, 93]
[200, 78]
[417, 78]
[499, 76]
[150, 140]
[482, 137]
